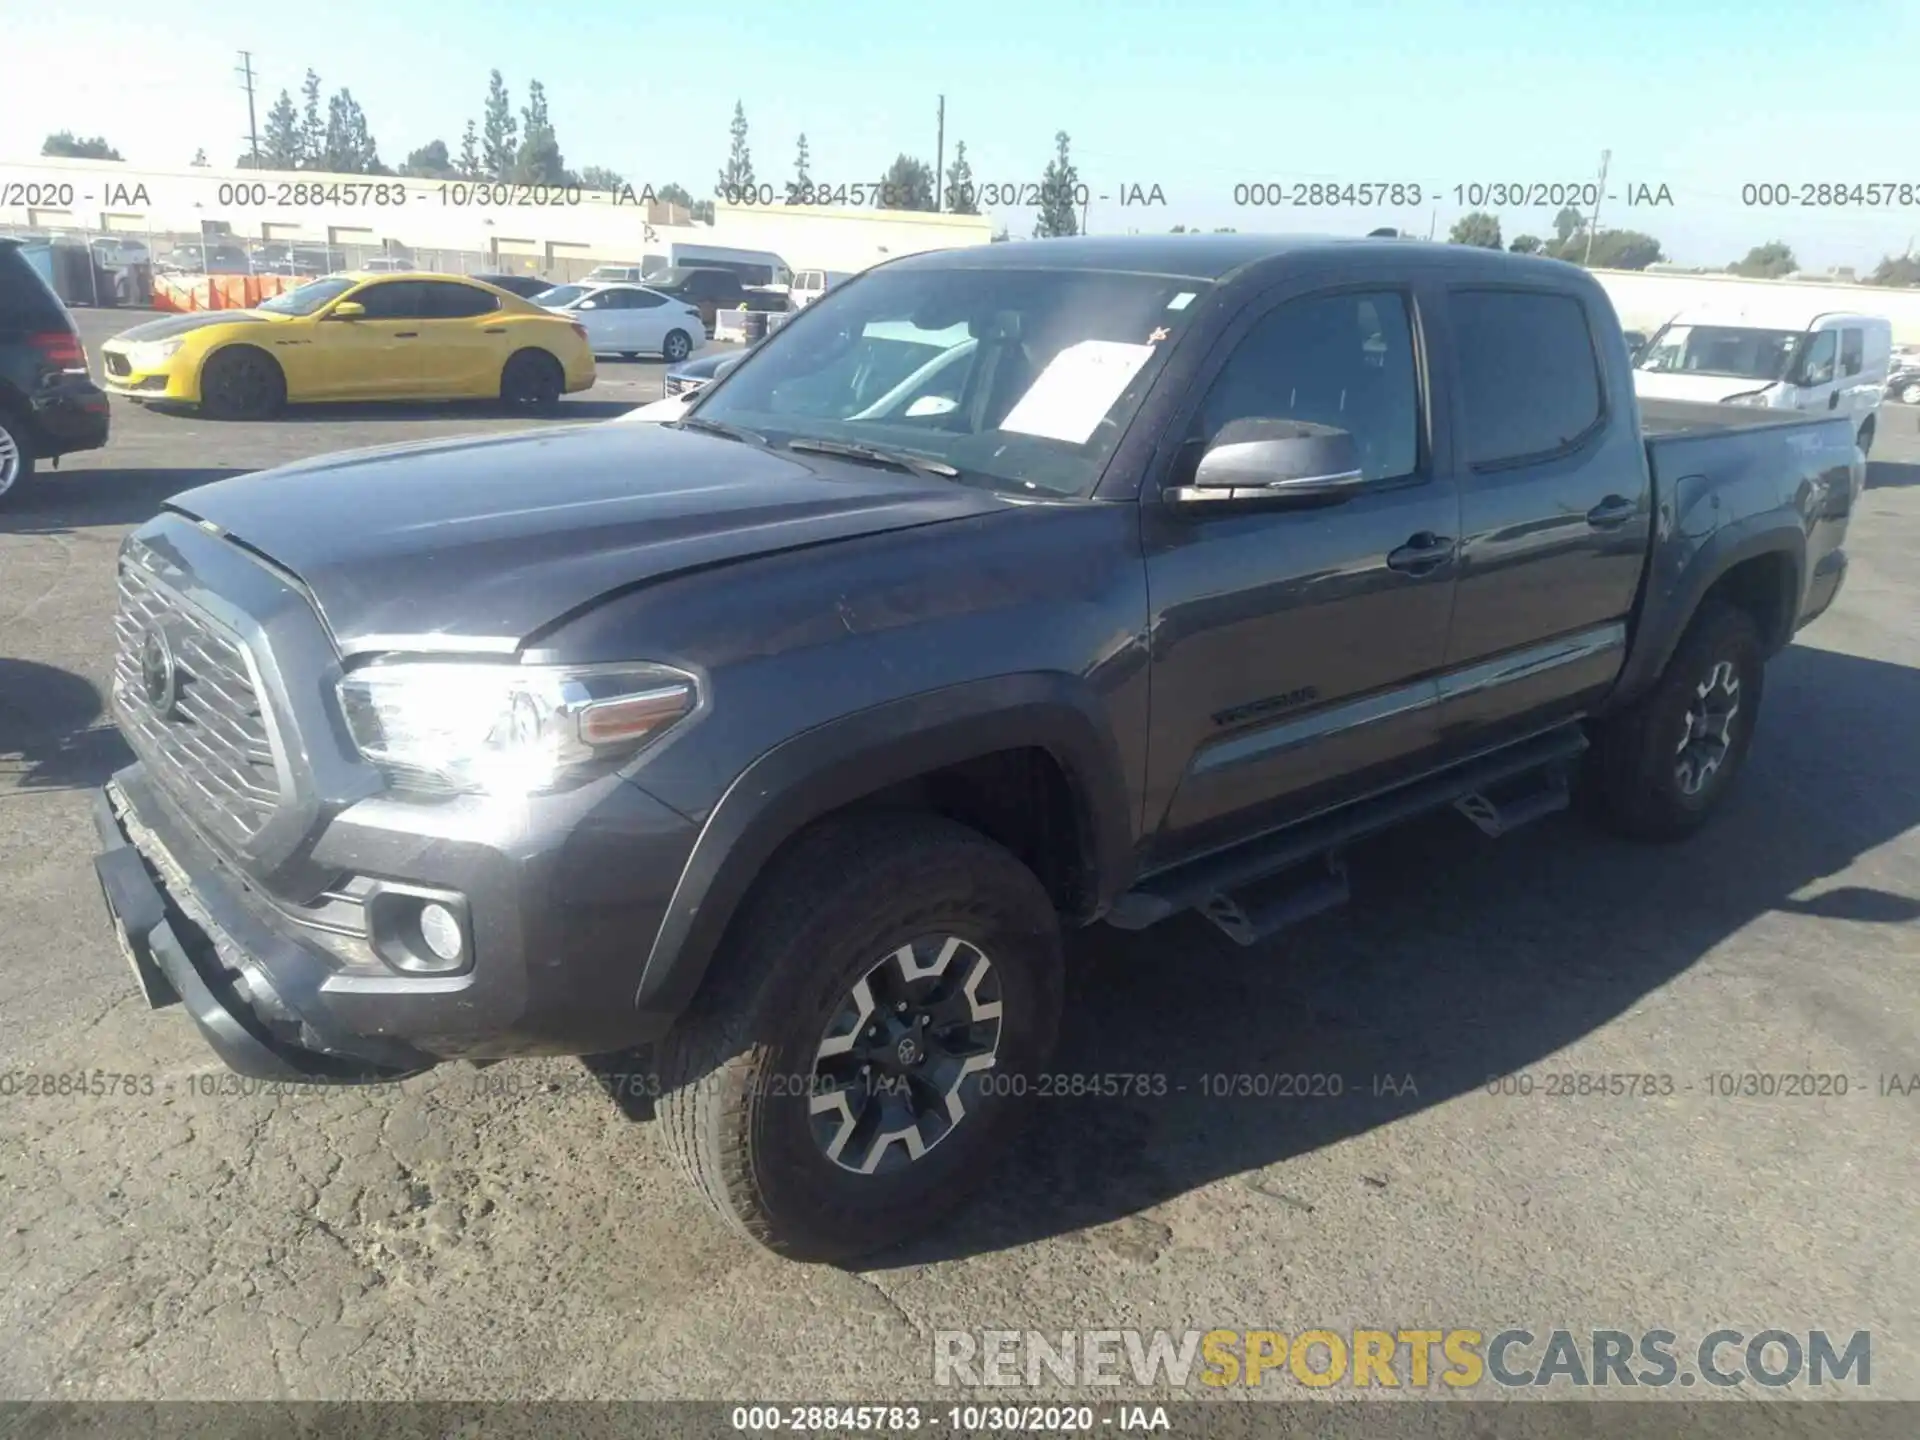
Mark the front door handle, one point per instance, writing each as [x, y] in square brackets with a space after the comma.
[1612, 512]
[1422, 554]
[494, 330]
[406, 334]
[1833, 401]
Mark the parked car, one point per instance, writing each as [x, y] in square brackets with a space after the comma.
[690, 376]
[1782, 356]
[527, 287]
[49, 405]
[1904, 384]
[214, 258]
[631, 320]
[354, 337]
[386, 265]
[559, 296]
[789, 737]
[624, 274]
[809, 285]
[296, 260]
[711, 291]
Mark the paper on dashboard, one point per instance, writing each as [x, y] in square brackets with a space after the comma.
[1073, 394]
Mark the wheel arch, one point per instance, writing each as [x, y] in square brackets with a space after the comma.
[879, 756]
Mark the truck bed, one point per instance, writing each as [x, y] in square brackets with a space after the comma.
[1685, 417]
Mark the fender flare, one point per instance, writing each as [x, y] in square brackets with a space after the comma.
[1666, 613]
[832, 765]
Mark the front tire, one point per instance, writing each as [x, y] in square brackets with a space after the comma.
[242, 383]
[676, 347]
[532, 380]
[1910, 394]
[909, 925]
[16, 456]
[1659, 768]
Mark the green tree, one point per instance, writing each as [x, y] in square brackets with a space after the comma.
[1568, 223]
[1178, 230]
[469, 153]
[538, 161]
[430, 161]
[1059, 194]
[1896, 270]
[349, 147]
[674, 194]
[1476, 227]
[802, 170]
[66, 146]
[280, 147]
[962, 198]
[1620, 250]
[313, 129]
[497, 147]
[736, 176]
[702, 210]
[599, 177]
[1525, 245]
[907, 185]
[1766, 262]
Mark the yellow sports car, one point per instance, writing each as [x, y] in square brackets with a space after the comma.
[355, 337]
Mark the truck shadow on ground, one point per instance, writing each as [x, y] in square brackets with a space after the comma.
[1461, 959]
[57, 503]
[54, 732]
[1891, 475]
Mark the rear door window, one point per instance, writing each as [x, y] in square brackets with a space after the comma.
[448, 301]
[1529, 375]
[394, 300]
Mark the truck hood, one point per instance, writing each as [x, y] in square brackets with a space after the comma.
[476, 544]
[1709, 389]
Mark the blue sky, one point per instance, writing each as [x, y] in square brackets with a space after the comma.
[1700, 95]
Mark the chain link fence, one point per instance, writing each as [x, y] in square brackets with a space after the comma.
[125, 267]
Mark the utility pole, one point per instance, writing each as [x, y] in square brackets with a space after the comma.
[1599, 194]
[940, 160]
[245, 70]
[1433, 220]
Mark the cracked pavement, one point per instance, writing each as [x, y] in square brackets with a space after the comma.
[511, 1233]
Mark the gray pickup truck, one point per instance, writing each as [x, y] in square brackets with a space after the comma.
[1004, 590]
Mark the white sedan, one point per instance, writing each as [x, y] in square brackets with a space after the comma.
[631, 320]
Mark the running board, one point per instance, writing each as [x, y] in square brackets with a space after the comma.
[1497, 815]
[1249, 916]
[1192, 885]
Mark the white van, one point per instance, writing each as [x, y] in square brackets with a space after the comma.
[1782, 357]
[759, 268]
[810, 285]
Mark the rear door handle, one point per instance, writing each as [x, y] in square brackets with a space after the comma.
[1423, 553]
[1612, 512]
[494, 330]
[406, 334]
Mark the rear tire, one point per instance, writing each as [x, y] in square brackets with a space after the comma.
[16, 456]
[676, 347]
[242, 383]
[1659, 768]
[532, 380]
[1910, 394]
[765, 1105]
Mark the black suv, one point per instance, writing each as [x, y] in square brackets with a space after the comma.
[49, 406]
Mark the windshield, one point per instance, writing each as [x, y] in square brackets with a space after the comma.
[1023, 379]
[1736, 351]
[560, 295]
[308, 298]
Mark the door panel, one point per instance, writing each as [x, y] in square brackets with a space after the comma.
[1292, 663]
[1556, 513]
[458, 357]
[377, 355]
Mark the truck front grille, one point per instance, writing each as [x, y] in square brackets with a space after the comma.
[184, 692]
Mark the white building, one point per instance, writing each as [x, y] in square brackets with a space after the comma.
[446, 225]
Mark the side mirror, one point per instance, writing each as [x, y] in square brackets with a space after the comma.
[348, 310]
[1272, 460]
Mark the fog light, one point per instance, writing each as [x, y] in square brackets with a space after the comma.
[441, 931]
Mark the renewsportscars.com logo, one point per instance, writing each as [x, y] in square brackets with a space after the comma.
[1455, 1359]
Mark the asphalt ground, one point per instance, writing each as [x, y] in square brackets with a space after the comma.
[512, 1233]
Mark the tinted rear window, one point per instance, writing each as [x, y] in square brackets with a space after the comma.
[1528, 374]
[25, 299]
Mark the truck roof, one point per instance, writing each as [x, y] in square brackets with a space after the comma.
[1214, 257]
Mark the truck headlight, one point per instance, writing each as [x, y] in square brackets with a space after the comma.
[1747, 397]
[453, 727]
[153, 354]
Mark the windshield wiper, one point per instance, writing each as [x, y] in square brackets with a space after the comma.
[720, 427]
[897, 459]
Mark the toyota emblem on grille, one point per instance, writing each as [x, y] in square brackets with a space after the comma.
[159, 676]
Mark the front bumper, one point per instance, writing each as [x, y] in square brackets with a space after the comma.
[561, 934]
[168, 382]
